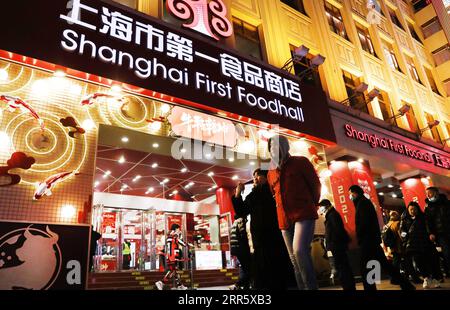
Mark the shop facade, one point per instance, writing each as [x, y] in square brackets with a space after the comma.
[108, 90]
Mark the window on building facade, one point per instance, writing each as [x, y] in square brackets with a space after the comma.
[394, 18]
[431, 27]
[447, 87]
[412, 69]
[434, 131]
[247, 38]
[364, 38]
[130, 3]
[386, 108]
[442, 54]
[447, 125]
[357, 101]
[411, 119]
[389, 53]
[431, 81]
[296, 5]
[335, 20]
[413, 32]
[420, 4]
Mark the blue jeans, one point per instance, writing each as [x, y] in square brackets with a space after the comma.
[298, 240]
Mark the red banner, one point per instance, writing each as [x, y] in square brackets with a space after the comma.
[109, 223]
[413, 189]
[362, 176]
[341, 180]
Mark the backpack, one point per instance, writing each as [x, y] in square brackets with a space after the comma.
[388, 237]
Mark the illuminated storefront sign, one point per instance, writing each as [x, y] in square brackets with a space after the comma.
[379, 141]
[109, 40]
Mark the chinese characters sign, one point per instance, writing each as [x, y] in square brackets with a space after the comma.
[109, 40]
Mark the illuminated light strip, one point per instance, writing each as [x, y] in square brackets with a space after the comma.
[145, 113]
[53, 162]
[112, 114]
[47, 130]
[24, 85]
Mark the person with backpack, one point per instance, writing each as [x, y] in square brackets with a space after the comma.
[417, 244]
[336, 241]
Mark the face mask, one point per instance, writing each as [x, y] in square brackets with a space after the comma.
[351, 198]
[322, 210]
[432, 199]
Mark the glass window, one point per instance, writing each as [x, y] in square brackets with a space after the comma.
[130, 3]
[413, 32]
[390, 56]
[412, 69]
[296, 5]
[335, 20]
[394, 18]
[357, 101]
[434, 130]
[364, 38]
[431, 27]
[247, 38]
[411, 119]
[447, 87]
[386, 108]
[442, 54]
[420, 4]
[431, 80]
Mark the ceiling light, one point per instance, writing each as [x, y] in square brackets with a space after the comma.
[3, 75]
[59, 73]
[175, 192]
[125, 139]
[390, 186]
[88, 124]
[375, 183]
[121, 160]
[210, 174]
[394, 196]
[184, 170]
[155, 165]
[106, 174]
[165, 108]
[155, 145]
[214, 187]
[136, 178]
[191, 183]
[149, 190]
[166, 181]
[381, 194]
[235, 177]
[96, 183]
[210, 189]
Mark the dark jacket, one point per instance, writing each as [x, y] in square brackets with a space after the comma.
[437, 215]
[366, 222]
[261, 207]
[238, 238]
[296, 187]
[415, 236]
[336, 236]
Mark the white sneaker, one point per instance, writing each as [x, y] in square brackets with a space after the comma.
[426, 283]
[435, 283]
[181, 287]
[159, 285]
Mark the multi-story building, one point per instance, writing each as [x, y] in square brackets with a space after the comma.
[359, 87]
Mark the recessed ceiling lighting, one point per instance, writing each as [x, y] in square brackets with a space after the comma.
[394, 196]
[155, 165]
[170, 195]
[155, 145]
[96, 183]
[375, 183]
[125, 139]
[184, 170]
[235, 177]
[175, 192]
[390, 186]
[210, 174]
[210, 189]
[214, 187]
[150, 190]
[107, 173]
[381, 194]
[121, 160]
[191, 183]
[166, 181]
[136, 178]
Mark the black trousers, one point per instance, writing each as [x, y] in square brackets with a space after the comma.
[374, 252]
[245, 260]
[343, 269]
